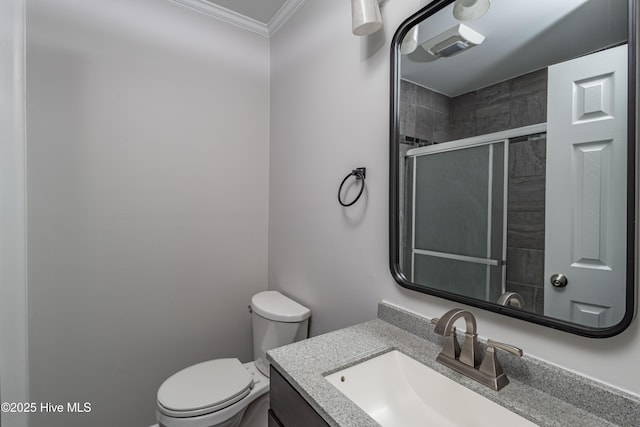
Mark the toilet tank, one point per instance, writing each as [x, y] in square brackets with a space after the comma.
[277, 321]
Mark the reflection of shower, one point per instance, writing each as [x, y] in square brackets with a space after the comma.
[460, 194]
[457, 235]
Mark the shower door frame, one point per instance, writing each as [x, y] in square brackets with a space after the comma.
[476, 141]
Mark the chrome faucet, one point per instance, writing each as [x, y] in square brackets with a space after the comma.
[465, 359]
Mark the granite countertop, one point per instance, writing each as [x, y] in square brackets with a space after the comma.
[537, 391]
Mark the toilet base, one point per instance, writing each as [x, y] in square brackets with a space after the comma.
[256, 414]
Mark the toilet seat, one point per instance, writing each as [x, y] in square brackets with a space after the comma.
[204, 388]
[224, 416]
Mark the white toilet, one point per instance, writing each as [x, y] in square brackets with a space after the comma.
[224, 392]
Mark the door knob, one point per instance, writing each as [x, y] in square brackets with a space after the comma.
[559, 280]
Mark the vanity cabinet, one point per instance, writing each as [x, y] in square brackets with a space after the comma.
[288, 407]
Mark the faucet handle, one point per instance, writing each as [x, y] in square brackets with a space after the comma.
[491, 367]
[506, 347]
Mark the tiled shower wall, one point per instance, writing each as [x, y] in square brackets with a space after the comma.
[511, 104]
[424, 114]
[525, 221]
[433, 117]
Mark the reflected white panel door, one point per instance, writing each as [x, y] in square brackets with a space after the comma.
[585, 237]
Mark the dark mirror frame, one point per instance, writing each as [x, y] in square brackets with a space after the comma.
[632, 214]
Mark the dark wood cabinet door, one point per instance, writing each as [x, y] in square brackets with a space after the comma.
[288, 407]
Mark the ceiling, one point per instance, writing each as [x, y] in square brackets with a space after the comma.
[521, 36]
[264, 17]
[260, 10]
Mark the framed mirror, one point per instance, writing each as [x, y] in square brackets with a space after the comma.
[513, 161]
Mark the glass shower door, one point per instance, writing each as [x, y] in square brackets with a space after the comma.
[459, 196]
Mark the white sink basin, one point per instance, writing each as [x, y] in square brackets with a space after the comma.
[396, 390]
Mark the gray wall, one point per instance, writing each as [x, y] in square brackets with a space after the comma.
[336, 260]
[424, 113]
[145, 241]
[429, 115]
[525, 221]
[511, 104]
[13, 266]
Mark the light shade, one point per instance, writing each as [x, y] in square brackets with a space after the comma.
[365, 15]
[410, 41]
[467, 10]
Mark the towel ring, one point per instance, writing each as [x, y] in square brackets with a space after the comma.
[360, 174]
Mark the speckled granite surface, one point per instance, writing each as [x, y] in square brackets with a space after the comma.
[544, 394]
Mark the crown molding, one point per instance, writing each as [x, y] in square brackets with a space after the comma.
[282, 15]
[234, 18]
[226, 15]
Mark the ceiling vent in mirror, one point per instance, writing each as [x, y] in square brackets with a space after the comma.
[453, 41]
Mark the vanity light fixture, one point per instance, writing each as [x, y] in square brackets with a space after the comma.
[365, 17]
[468, 10]
[410, 41]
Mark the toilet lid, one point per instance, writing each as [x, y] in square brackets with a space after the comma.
[273, 305]
[205, 387]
